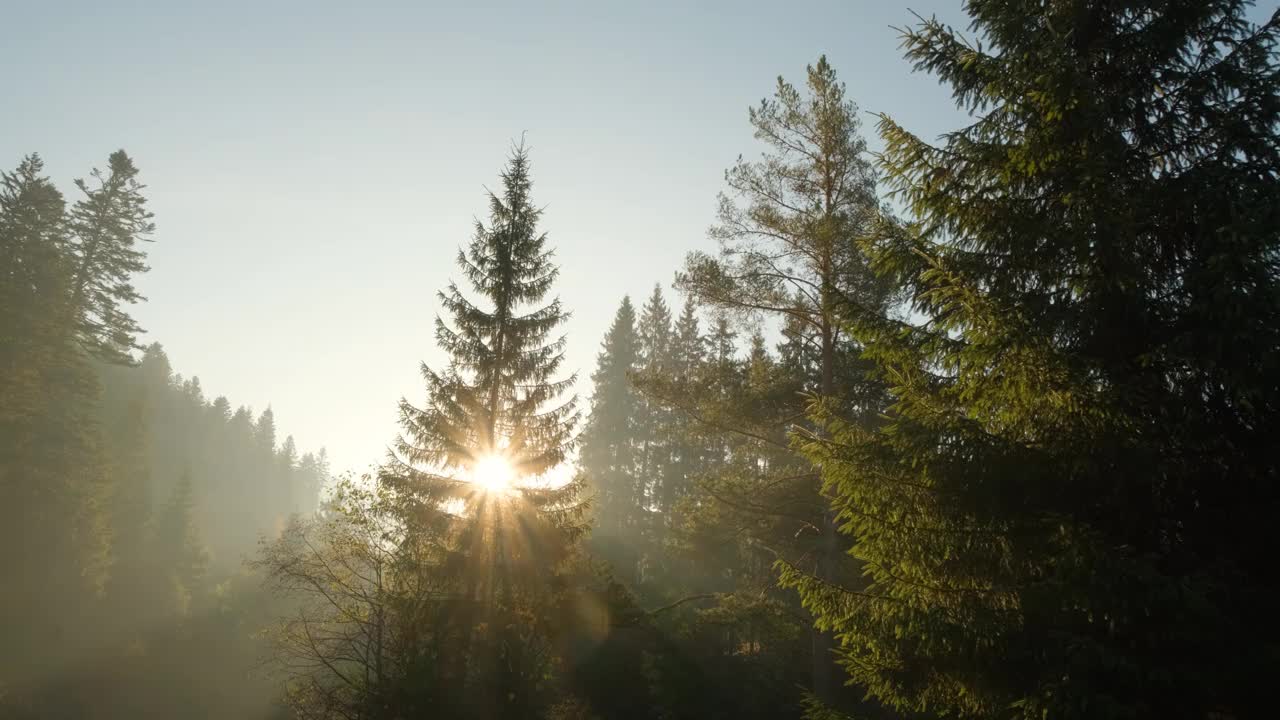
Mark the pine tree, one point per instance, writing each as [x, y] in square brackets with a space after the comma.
[287, 476]
[183, 557]
[264, 433]
[608, 456]
[612, 450]
[500, 552]
[221, 409]
[655, 339]
[155, 379]
[689, 347]
[35, 272]
[106, 226]
[786, 234]
[310, 480]
[496, 396]
[53, 531]
[750, 500]
[723, 348]
[654, 330]
[288, 455]
[688, 443]
[1068, 512]
[130, 510]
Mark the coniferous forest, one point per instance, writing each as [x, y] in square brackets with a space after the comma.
[981, 427]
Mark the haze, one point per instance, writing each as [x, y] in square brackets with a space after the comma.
[635, 361]
[313, 167]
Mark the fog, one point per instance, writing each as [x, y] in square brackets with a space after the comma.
[590, 362]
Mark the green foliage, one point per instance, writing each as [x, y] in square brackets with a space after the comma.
[497, 394]
[53, 490]
[814, 709]
[634, 451]
[1010, 456]
[427, 592]
[1066, 511]
[788, 230]
[114, 592]
[716, 424]
[105, 226]
[609, 456]
[788, 222]
[181, 552]
[241, 484]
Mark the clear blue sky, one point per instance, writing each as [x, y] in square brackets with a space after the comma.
[313, 166]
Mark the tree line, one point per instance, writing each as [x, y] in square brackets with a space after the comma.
[975, 428]
[127, 499]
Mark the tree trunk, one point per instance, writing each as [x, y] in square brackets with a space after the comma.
[823, 643]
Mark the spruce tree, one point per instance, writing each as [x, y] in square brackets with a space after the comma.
[495, 554]
[314, 474]
[655, 336]
[220, 410]
[499, 394]
[287, 476]
[689, 347]
[688, 354]
[264, 434]
[608, 456]
[1068, 512]
[106, 225]
[130, 511]
[654, 330]
[750, 500]
[183, 557]
[54, 540]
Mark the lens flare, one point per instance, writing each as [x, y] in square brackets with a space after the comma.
[493, 474]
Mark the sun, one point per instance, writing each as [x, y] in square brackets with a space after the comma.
[494, 474]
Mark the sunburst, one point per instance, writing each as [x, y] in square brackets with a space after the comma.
[493, 474]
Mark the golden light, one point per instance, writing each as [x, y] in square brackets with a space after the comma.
[493, 474]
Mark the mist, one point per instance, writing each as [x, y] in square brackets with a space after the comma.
[829, 362]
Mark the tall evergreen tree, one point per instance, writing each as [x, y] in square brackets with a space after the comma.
[106, 226]
[313, 474]
[750, 500]
[1068, 513]
[130, 509]
[183, 558]
[499, 392]
[264, 433]
[54, 540]
[786, 233]
[495, 554]
[221, 409]
[655, 345]
[689, 455]
[287, 477]
[689, 347]
[608, 456]
[86, 446]
[655, 330]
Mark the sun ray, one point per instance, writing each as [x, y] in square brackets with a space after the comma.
[493, 474]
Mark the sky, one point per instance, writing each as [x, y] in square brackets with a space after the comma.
[313, 166]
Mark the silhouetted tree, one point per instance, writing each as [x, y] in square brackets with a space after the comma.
[502, 554]
[106, 225]
[54, 539]
[89, 448]
[609, 456]
[183, 557]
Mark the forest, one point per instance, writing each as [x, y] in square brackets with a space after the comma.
[976, 428]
